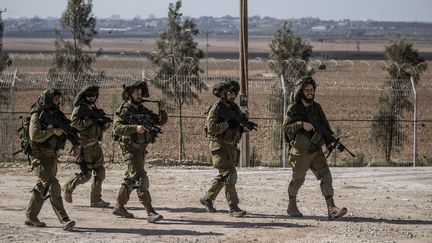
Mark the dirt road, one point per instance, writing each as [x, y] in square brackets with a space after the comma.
[385, 205]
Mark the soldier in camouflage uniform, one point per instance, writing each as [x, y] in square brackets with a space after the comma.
[46, 141]
[134, 140]
[305, 146]
[224, 137]
[90, 132]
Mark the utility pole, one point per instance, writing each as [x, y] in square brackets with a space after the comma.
[245, 156]
[207, 46]
[1, 29]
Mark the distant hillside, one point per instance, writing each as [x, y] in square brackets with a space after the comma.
[311, 28]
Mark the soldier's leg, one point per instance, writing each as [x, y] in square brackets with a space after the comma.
[99, 177]
[217, 184]
[96, 189]
[300, 162]
[322, 172]
[230, 189]
[35, 205]
[142, 190]
[71, 184]
[56, 201]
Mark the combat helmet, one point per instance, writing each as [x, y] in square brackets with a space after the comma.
[228, 85]
[298, 87]
[45, 100]
[86, 91]
[128, 89]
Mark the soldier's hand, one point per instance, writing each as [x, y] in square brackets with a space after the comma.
[58, 131]
[141, 129]
[75, 150]
[308, 127]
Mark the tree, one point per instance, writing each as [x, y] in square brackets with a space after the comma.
[78, 21]
[394, 102]
[5, 60]
[289, 55]
[177, 57]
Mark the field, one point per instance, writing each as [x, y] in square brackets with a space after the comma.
[385, 205]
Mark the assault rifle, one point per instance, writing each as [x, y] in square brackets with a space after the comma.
[145, 120]
[96, 114]
[328, 136]
[60, 121]
[228, 114]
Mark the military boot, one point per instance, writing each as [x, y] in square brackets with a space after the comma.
[67, 196]
[120, 210]
[34, 222]
[208, 204]
[100, 204]
[293, 210]
[152, 216]
[333, 211]
[68, 224]
[235, 211]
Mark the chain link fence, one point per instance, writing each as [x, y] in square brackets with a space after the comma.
[351, 94]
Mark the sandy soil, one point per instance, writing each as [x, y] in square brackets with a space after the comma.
[385, 205]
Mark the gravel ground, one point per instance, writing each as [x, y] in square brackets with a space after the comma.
[385, 205]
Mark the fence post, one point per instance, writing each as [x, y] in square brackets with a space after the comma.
[285, 99]
[13, 111]
[414, 122]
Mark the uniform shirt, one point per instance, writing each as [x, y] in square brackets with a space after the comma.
[89, 130]
[218, 127]
[128, 131]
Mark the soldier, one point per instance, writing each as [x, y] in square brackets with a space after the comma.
[90, 128]
[224, 136]
[134, 140]
[46, 141]
[305, 152]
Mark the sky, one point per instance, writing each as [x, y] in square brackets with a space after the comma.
[382, 10]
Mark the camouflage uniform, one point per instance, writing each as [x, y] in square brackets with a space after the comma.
[133, 146]
[45, 146]
[90, 132]
[224, 136]
[306, 148]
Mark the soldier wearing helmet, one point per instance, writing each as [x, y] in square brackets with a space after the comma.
[224, 137]
[305, 146]
[46, 141]
[90, 132]
[134, 140]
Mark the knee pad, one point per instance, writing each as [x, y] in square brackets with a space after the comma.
[99, 175]
[231, 178]
[326, 177]
[54, 190]
[40, 192]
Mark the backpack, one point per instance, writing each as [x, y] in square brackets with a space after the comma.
[24, 133]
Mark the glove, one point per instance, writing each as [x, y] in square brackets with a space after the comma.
[233, 123]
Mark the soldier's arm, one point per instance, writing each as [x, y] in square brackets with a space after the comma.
[122, 128]
[80, 123]
[292, 123]
[37, 134]
[214, 126]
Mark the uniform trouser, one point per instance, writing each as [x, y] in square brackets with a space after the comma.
[227, 178]
[45, 167]
[303, 160]
[93, 156]
[224, 158]
[136, 176]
